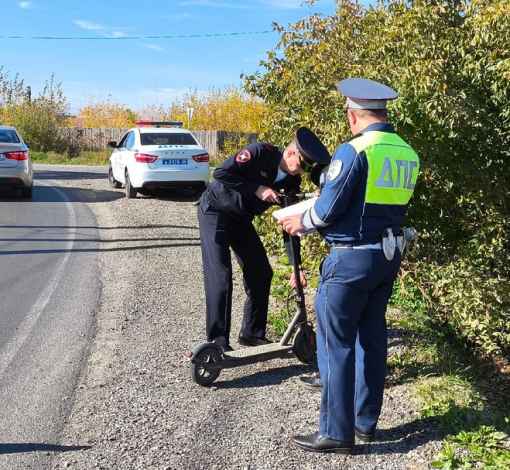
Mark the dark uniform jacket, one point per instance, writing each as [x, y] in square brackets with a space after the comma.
[237, 179]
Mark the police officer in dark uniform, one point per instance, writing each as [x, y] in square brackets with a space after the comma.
[246, 185]
[359, 213]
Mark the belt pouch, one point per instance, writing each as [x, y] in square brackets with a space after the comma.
[400, 240]
[388, 244]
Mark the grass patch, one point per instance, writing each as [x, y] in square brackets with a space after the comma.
[476, 433]
[466, 394]
[282, 294]
[278, 319]
[280, 282]
[86, 158]
[216, 161]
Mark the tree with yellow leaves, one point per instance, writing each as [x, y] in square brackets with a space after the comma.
[107, 114]
[228, 109]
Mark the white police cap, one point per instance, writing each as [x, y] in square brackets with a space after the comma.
[362, 93]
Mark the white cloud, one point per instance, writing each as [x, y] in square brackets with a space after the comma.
[106, 31]
[154, 47]
[27, 5]
[90, 26]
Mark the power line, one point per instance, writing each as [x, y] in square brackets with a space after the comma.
[134, 37]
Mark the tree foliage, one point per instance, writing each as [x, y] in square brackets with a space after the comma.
[225, 109]
[107, 114]
[449, 60]
[37, 118]
[228, 109]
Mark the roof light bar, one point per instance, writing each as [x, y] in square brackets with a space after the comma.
[159, 123]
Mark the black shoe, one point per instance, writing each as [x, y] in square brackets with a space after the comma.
[317, 443]
[365, 436]
[312, 383]
[247, 340]
[226, 348]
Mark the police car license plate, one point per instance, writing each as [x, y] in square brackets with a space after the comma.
[175, 161]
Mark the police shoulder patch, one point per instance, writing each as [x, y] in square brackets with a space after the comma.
[243, 156]
[335, 168]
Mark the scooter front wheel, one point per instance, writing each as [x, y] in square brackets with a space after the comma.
[304, 345]
[199, 371]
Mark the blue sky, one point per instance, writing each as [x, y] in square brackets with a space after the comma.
[140, 72]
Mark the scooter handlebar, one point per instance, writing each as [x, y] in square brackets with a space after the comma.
[294, 195]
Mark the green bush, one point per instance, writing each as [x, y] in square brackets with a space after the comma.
[37, 119]
[233, 142]
[450, 62]
[38, 128]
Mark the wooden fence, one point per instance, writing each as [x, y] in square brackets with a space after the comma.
[216, 142]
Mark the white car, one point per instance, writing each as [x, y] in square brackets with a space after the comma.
[16, 170]
[158, 155]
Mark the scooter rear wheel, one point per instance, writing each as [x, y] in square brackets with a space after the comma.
[304, 345]
[199, 373]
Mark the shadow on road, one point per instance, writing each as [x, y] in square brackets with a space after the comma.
[46, 193]
[18, 448]
[71, 175]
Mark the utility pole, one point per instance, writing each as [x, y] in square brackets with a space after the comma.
[190, 115]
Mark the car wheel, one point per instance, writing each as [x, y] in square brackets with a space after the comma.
[111, 180]
[130, 191]
[26, 192]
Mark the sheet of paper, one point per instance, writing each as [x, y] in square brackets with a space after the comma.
[294, 209]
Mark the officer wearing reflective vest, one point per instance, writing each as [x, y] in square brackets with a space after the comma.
[246, 185]
[359, 213]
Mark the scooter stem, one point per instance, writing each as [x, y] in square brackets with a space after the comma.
[300, 316]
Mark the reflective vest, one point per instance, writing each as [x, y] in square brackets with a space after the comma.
[393, 167]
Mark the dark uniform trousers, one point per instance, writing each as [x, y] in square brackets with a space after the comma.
[219, 232]
[354, 288]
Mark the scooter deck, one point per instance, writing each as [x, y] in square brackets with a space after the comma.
[274, 348]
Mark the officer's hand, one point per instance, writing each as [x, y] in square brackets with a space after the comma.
[302, 279]
[267, 194]
[291, 224]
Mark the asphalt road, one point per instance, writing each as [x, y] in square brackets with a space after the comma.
[49, 284]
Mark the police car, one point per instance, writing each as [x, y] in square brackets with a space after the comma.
[158, 155]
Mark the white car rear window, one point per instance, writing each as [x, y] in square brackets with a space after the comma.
[166, 138]
[8, 136]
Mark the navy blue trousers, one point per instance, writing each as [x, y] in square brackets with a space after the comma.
[218, 233]
[350, 307]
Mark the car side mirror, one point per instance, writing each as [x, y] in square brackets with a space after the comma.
[112, 144]
[27, 144]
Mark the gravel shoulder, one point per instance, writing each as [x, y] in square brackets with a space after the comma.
[136, 406]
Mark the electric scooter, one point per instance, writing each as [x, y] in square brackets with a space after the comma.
[206, 360]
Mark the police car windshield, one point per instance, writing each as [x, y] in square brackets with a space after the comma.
[167, 138]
